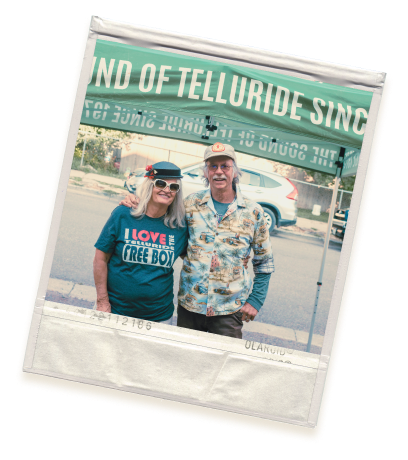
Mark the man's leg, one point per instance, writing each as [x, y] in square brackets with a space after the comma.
[228, 325]
[191, 320]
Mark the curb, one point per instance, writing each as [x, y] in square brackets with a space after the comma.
[85, 296]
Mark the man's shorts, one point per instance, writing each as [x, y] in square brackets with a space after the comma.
[228, 325]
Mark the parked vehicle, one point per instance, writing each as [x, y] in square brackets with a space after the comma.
[232, 240]
[135, 178]
[223, 290]
[340, 223]
[200, 288]
[276, 194]
[206, 237]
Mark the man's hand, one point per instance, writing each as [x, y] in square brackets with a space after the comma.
[131, 201]
[248, 312]
[103, 305]
[246, 260]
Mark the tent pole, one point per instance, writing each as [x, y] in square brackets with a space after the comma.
[341, 198]
[326, 244]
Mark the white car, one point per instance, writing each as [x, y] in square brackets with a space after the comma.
[276, 194]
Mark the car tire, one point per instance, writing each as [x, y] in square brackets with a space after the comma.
[270, 219]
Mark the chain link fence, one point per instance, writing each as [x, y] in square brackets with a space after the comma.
[312, 194]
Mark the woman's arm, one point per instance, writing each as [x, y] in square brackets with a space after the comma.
[100, 268]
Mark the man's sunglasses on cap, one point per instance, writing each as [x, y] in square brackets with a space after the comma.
[162, 185]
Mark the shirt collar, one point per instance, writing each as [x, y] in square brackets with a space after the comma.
[239, 197]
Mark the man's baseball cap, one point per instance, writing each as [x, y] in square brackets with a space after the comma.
[219, 149]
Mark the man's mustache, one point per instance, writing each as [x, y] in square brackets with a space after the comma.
[220, 176]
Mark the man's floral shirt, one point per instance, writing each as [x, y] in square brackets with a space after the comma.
[213, 280]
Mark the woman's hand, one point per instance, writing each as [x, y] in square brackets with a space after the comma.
[130, 201]
[103, 304]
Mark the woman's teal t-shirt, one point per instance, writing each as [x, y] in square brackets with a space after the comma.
[140, 270]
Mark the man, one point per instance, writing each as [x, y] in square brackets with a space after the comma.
[223, 228]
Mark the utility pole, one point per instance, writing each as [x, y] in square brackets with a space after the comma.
[83, 152]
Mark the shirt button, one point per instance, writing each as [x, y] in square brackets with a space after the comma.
[217, 234]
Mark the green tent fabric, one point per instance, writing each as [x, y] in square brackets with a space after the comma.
[287, 119]
[261, 142]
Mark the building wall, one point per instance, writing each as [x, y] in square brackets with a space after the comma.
[147, 150]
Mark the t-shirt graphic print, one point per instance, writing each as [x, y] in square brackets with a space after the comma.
[144, 248]
[140, 270]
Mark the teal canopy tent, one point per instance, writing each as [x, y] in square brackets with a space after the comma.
[303, 123]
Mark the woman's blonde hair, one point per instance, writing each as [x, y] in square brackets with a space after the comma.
[175, 215]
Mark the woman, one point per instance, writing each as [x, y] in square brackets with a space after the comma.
[137, 248]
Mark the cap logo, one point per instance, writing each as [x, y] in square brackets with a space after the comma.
[218, 147]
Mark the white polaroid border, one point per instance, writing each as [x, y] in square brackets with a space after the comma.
[166, 361]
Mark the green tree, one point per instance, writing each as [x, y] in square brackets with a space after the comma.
[99, 142]
[222, 256]
[202, 267]
[347, 183]
[209, 216]
[188, 280]
[217, 245]
[236, 253]
[225, 267]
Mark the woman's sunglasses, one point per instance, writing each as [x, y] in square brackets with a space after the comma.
[162, 185]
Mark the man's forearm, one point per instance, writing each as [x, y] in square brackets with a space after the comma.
[259, 290]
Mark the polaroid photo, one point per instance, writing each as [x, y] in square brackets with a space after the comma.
[203, 223]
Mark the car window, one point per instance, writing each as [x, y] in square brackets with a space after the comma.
[270, 183]
[250, 178]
